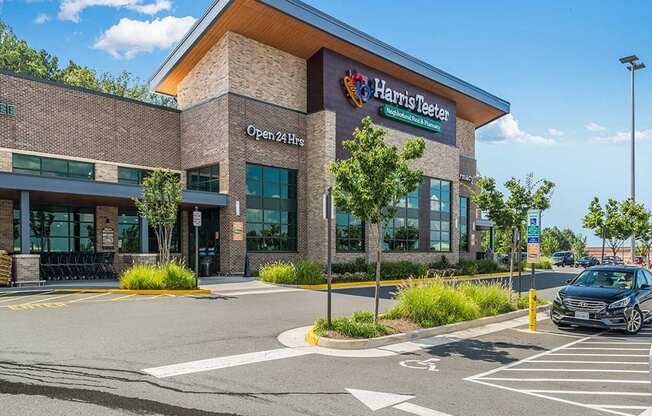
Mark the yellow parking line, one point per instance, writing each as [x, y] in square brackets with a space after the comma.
[22, 297]
[46, 299]
[120, 298]
[88, 297]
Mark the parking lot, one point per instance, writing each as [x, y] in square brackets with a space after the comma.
[603, 372]
[219, 355]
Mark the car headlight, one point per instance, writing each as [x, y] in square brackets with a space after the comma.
[559, 298]
[620, 303]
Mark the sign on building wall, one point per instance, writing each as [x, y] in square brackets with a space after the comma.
[275, 136]
[238, 231]
[107, 238]
[7, 108]
[403, 105]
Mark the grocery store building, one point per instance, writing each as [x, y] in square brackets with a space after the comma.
[267, 90]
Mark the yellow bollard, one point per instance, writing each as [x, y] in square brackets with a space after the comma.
[532, 294]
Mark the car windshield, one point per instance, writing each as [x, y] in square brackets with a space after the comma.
[585, 258]
[558, 255]
[611, 279]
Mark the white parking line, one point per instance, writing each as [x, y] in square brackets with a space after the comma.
[616, 343]
[578, 370]
[224, 362]
[607, 349]
[591, 362]
[584, 392]
[598, 355]
[572, 380]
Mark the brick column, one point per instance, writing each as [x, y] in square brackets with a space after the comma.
[106, 216]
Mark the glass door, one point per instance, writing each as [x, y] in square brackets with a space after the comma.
[209, 243]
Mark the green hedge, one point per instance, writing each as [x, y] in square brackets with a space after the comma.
[360, 325]
[305, 272]
[172, 276]
[544, 263]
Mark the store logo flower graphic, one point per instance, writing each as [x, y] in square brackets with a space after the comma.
[357, 88]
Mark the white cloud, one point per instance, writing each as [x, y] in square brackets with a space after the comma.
[71, 9]
[555, 133]
[507, 130]
[130, 37]
[42, 18]
[625, 137]
[595, 127]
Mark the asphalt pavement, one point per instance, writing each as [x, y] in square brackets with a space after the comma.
[99, 356]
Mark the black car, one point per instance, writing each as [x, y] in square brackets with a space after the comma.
[587, 261]
[608, 297]
[563, 258]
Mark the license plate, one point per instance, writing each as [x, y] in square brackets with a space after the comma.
[581, 315]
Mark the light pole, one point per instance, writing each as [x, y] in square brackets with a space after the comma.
[632, 65]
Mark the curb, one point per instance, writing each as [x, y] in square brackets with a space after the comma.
[394, 282]
[356, 344]
[138, 292]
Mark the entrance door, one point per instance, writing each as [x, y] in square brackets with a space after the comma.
[209, 244]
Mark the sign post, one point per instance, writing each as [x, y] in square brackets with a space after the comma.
[533, 256]
[196, 222]
[328, 216]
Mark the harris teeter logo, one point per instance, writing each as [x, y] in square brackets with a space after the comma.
[401, 105]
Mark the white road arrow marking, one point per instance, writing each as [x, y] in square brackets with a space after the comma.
[376, 400]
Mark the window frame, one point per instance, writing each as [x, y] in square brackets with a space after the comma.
[49, 171]
[213, 174]
[348, 226]
[466, 224]
[407, 211]
[440, 213]
[279, 203]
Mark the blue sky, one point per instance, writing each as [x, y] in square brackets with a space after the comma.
[556, 62]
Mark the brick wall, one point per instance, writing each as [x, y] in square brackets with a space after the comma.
[55, 119]
[465, 137]
[26, 267]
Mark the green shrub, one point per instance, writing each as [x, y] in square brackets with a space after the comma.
[492, 299]
[177, 276]
[142, 277]
[172, 276]
[467, 267]
[279, 272]
[399, 269]
[359, 265]
[544, 263]
[441, 264]
[359, 325]
[433, 305]
[487, 266]
[309, 272]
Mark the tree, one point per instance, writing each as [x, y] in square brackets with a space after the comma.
[159, 205]
[510, 213]
[616, 222]
[17, 56]
[373, 178]
[554, 239]
[595, 220]
[578, 246]
[645, 242]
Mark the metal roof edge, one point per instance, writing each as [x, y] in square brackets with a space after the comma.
[322, 21]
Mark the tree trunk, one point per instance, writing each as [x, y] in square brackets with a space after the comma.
[602, 259]
[378, 257]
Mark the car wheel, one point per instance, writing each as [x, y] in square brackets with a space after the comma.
[634, 321]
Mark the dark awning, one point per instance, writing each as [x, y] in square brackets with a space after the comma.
[95, 190]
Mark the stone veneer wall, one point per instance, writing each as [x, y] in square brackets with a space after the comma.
[244, 66]
[106, 216]
[465, 137]
[6, 225]
[26, 267]
[106, 172]
[5, 161]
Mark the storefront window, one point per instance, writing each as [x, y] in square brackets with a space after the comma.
[349, 233]
[440, 215]
[464, 223]
[128, 231]
[132, 176]
[401, 233]
[42, 166]
[62, 229]
[271, 209]
[205, 179]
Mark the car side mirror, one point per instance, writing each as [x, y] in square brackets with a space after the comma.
[568, 281]
[646, 286]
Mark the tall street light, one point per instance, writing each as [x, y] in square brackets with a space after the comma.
[632, 65]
